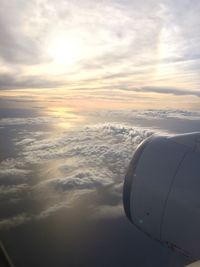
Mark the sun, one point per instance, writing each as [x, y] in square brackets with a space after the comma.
[64, 51]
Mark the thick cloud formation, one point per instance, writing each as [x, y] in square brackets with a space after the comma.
[51, 169]
[76, 162]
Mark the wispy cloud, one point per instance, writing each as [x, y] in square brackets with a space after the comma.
[168, 90]
[9, 81]
[153, 43]
[14, 221]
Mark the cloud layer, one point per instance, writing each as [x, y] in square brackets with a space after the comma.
[53, 169]
[68, 165]
[152, 44]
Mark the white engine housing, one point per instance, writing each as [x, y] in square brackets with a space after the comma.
[162, 191]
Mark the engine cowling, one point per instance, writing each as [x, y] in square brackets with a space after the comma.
[162, 191]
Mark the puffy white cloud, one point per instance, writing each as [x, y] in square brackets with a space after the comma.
[104, 145]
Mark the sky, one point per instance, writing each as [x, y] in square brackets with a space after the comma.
[141, 52]
[82, 84]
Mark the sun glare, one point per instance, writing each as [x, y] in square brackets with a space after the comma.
[66, 117]
[64, 51]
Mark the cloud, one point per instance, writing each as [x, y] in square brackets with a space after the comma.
[29, 121]
[13, 167]
[149, 114]
[14, 221]
[52, 170]
[25, 141]
[166, 90]
[167, 114]
[150, 43]
[16, 46]
[10, 81]
[52, 210]
[108, 198]
[85, 160]
[85, 181]
[12, 192]
[110, 143]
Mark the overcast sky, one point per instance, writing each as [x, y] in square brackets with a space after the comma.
[148, 46]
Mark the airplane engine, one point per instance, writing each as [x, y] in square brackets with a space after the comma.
[162, 191]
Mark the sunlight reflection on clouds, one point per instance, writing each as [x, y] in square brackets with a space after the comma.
[54, 168]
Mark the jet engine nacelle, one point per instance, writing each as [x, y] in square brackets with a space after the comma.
[162, 191]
